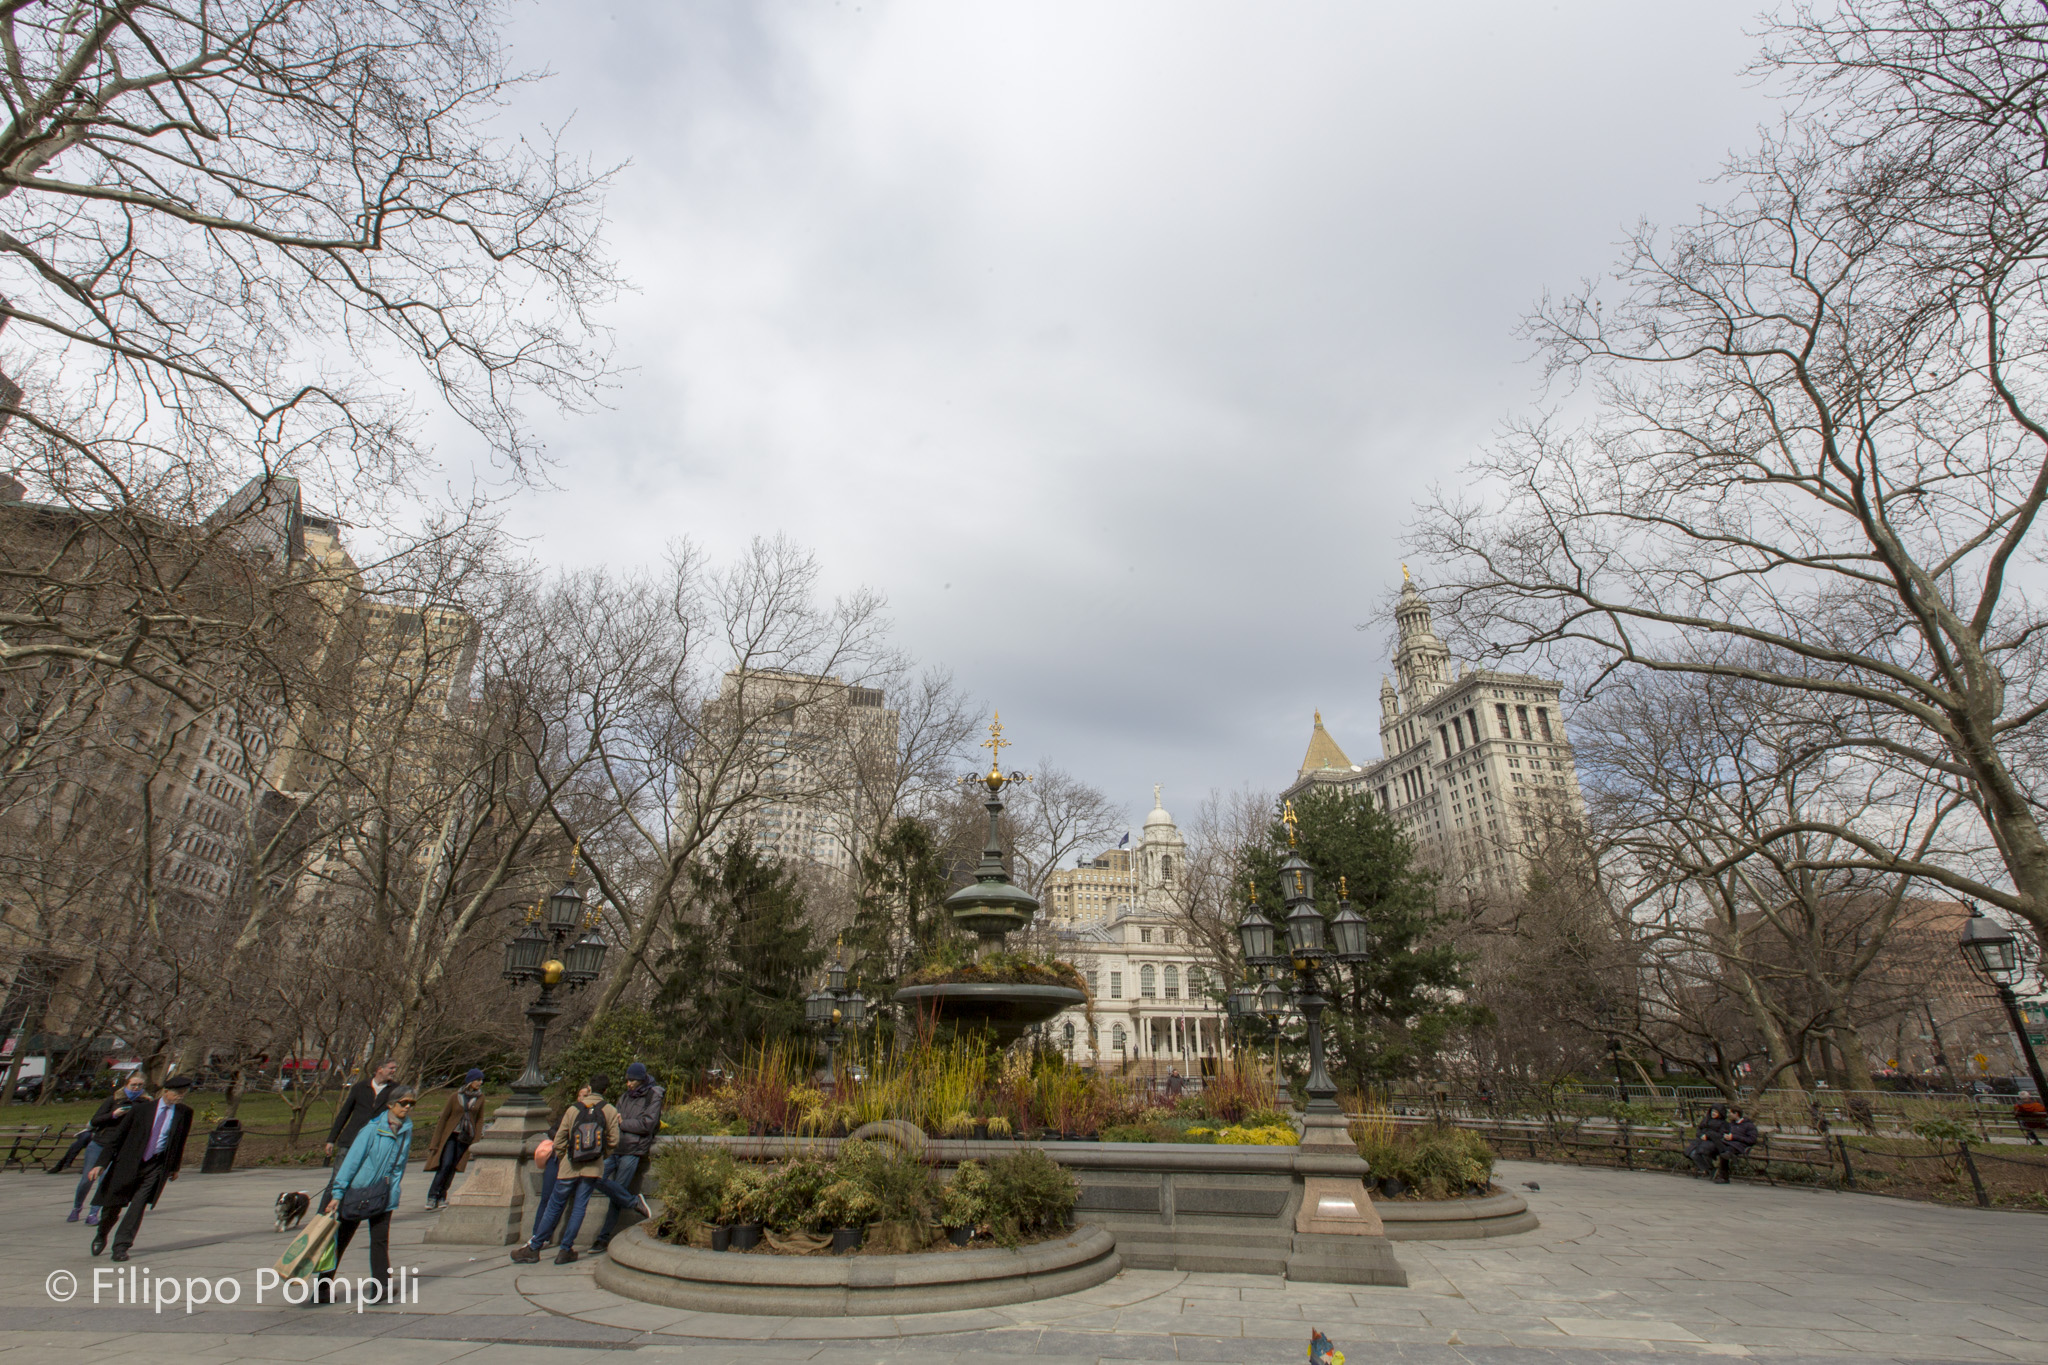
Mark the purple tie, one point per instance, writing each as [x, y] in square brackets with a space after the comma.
[157, 1131]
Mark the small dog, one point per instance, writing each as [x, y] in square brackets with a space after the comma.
[292, 1205]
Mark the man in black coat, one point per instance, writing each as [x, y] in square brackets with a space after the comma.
[1740, 1137]
[363, 1102]
[145, 1151]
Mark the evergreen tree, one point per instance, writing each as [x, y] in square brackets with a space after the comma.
[744, 958]
[901, 912]
[1388, 1015]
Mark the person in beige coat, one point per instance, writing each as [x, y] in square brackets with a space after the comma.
[587, 1134]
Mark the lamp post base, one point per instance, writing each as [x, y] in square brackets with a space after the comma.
[490, 1206]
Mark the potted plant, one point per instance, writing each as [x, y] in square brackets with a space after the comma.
[740, 1207]
[960, 1126]
[999, 1128]
[963, 1205]
[847, 1209]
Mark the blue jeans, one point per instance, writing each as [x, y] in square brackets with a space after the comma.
[619, 1172]
[92, 1159]
[573, 1193]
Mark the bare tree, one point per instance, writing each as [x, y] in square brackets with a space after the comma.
[219, 225]
[1821, 449]
[1053, 817]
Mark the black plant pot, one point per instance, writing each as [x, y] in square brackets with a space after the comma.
[1392, 1185]
[846, 1239]
[959, 1237]
[981, 1132]
[721, 1237]
[745, 1236]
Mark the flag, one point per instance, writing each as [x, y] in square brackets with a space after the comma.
[1124, 842]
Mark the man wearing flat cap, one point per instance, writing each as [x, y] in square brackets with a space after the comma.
[143, 1154]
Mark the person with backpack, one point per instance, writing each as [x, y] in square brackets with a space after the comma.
[639, 1126]
[587, 1134]
[365, 1190]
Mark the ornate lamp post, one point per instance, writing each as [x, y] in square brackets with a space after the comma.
[1305, 950]
[537, 953]
[834, 1011]
[1990, 949]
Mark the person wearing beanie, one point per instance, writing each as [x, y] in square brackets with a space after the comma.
[588, 1133]
[639, 1125]
[462, 1121]
[143, 1154]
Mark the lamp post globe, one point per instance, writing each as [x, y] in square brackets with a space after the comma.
[565, 908]
[1990, 948]
[585, 959]
[1297, 881]
[1305, 934]
[1350, 934]
[1255, 934]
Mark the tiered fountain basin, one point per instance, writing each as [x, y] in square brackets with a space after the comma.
[1004, 1010]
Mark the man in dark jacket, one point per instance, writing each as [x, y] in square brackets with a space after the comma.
[145, 1151]
[99, 1135]
[364, 1101]
[1706, 1144]
[639, 1124]
[1740, 1137]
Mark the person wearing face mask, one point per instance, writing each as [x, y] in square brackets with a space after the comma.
[462, 1118]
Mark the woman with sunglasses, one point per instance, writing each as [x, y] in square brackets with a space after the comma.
[376, 1158]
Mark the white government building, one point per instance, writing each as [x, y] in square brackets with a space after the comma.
[1117, 919]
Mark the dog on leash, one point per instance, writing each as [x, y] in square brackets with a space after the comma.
[292, 1205]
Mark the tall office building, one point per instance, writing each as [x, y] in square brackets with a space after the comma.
[1475, 764]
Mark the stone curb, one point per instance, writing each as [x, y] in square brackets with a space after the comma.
[1450, 1220]
[639, 1267]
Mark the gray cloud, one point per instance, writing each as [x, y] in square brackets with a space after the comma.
[1112, 342]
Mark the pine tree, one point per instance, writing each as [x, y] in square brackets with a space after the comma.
[901, 911]
[744, 957]
[1389, 1015]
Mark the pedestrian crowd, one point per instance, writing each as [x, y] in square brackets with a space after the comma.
[134, 1147]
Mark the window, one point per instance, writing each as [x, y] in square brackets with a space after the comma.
[1522, 714]
[1145, 936]
[1116, 988]
[1443, 732]
[1147, 983]
[1173, 983]
[1093, 985]
[1067, 1033]
[1166, 863]
[1458, 728]
[1543, 722]
[1197, 984]
[1116, 1037]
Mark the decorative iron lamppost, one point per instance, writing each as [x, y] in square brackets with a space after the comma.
[835, 1011]
[1305, 951]
[537, 953]
[1990, 949]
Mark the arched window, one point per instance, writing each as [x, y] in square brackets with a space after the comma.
[1067, 1032]
[1166, 867]
[1147, 984]
[1116, 1037]
[1173, 983]
[1196, 983]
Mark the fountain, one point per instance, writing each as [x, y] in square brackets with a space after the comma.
[991, 907]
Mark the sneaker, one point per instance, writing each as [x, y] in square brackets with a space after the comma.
[92, 1218]
[565, 1256]
[641, 1200]
[597, 1248]
[526, 1255]
[72, 1217]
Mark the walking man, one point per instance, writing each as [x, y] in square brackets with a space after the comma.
[639, 1124]
[364, 1101]
[461, 1121]
[146, 1150]
[97, 1135]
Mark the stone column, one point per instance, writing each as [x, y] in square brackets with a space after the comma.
[1338, 1236]
[490, 1206]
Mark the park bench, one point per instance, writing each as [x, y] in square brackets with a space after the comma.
[31, 1144]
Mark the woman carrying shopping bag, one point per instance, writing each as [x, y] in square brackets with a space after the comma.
[366, 1190]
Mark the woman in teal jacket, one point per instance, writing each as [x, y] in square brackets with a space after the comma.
[379, 1152]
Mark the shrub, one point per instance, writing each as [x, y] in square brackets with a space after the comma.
[790, 1196]
[847, 1204]
[1028, 1192]
[1435, 1163]
[698, 1117]
[1267, 1136]
[692, 1177]
[904, 1189]
[741, 1198]
[964, 1204]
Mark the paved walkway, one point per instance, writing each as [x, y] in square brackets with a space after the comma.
[1627, 1264]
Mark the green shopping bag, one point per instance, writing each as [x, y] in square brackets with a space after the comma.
[304, 1252]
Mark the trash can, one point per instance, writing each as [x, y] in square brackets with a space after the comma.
[220, 1148]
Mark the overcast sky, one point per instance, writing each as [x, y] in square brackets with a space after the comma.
[1113, 342]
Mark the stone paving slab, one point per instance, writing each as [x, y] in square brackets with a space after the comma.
[1628, 1266]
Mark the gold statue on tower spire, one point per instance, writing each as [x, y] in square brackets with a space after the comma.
[995, 744]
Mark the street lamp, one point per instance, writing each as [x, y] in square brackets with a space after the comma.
[537, 954]
[1308, 944]
[1991, 950]
[834, 1011]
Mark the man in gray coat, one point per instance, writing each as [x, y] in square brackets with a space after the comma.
[639, 1124]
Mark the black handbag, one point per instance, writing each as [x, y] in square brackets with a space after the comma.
[365, 1201]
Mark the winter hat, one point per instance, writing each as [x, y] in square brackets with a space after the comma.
[476, 1073]
[636, 1072]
